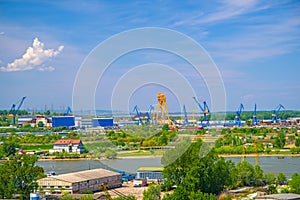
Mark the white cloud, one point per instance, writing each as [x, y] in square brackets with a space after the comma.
[34, 57]
[49, 69]
[2, 33]
[227, 9]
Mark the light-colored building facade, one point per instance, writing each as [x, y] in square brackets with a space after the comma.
[79, 182]
[69, 146]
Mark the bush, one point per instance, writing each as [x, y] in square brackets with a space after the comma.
[88, 192]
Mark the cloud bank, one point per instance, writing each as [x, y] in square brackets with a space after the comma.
[34, 58]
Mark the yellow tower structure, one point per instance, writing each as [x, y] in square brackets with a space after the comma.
[256, 153]
[162, 107]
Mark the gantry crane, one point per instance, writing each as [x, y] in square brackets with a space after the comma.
[162, 107]
[139, 115]
[275, 113]
[204, 109]
[185, 121]
[255, 121]
[238, 115]
[149, 113]
[13, 111]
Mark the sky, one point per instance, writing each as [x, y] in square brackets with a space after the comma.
[255, 45]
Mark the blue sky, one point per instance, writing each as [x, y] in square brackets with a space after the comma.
[255, 44]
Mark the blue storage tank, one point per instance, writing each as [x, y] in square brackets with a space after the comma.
[104, 122]
[67, 121]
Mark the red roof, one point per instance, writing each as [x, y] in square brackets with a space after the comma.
[67, 142]
[21, 152]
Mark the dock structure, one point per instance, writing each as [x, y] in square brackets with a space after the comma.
[78, 182]
[152, 174]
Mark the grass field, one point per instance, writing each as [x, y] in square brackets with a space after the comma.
[36, 147]
[140, 153]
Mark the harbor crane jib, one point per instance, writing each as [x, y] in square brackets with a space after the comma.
[275, 113]
[238, 115]
[204, 109]
[185, 121]
[149, 113]
[13, 111]
[139, 115]
[255, 121]
[68, 111]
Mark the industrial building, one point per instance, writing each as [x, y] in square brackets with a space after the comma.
[67, 121]
[152, 174]
[78, 182]
[103, 122]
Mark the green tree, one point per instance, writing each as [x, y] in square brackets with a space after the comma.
[40, 124]
[270, 178]
[297, 142]
[152, 193]
[294, 183]
[19, 176]
[280, 140]
[165, 127]
[109, 153]
[198, 168]
[245, 174]
[258, 176]
[9, 149]
[281, 179]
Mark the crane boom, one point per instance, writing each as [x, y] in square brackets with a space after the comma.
[198, 103]
[13, 111]
[148, 114]
[186, 121]
[136, 109]
[255, 121]
[238, 115]
[204, 109]
[68, 111]
[275, 113]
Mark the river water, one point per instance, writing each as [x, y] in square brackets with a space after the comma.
[271, 164]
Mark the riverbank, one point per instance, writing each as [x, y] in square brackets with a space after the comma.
[133, 156]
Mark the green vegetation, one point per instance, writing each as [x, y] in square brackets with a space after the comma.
[19, 176]
[191, 173]
[257, 140]
[284, 114]
[294, 183]
[152, 193]
[198, 177]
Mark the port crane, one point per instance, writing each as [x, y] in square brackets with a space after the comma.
[13, 111]
[238, 115]
[275, 113]
[204, 109]
[185, 121]
[255, 121]
[68, 111]
[162, 108]
[149, 113]
[139, 115]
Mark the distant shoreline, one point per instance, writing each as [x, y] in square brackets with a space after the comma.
[159, 156]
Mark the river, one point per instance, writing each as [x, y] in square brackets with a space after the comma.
[271, 164]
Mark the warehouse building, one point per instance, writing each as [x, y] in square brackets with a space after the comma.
[152, 174]
[103, 122]
[78, 182]
[59, 121]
